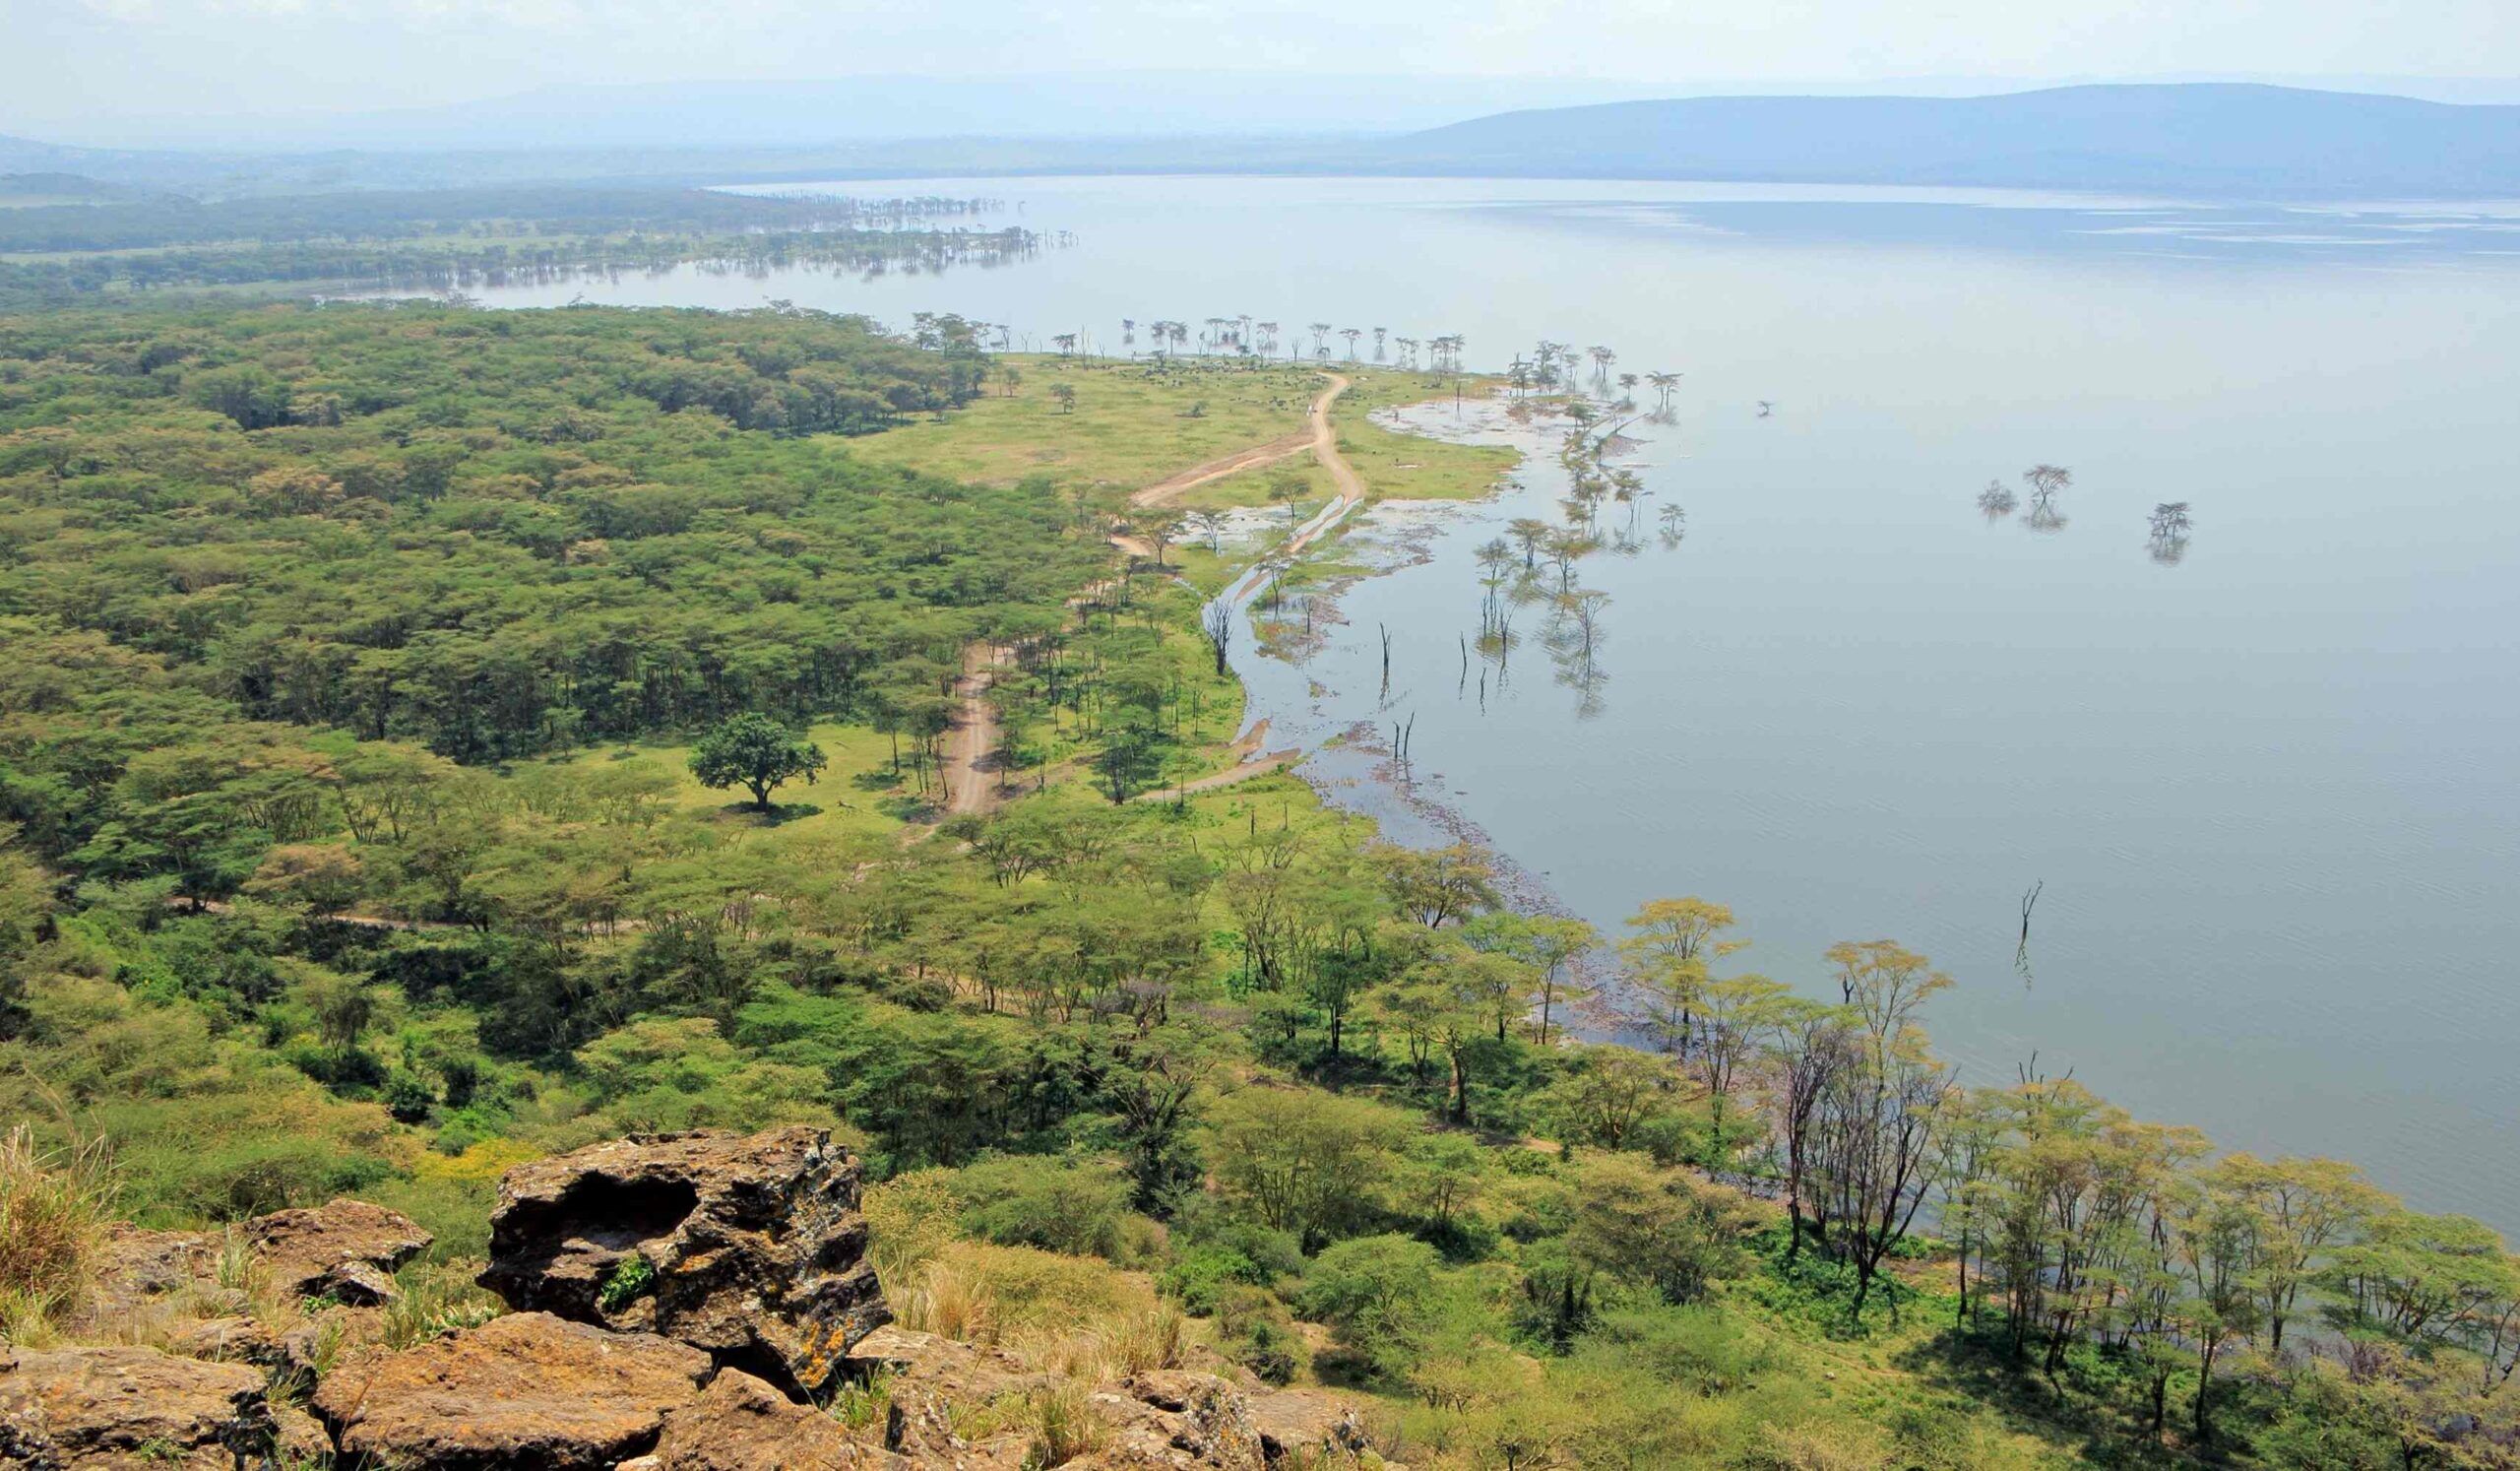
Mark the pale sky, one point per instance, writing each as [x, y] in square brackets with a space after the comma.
[76, 61]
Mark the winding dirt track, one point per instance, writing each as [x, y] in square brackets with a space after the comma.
[966, 783]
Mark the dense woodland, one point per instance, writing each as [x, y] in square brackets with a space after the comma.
[348, 652]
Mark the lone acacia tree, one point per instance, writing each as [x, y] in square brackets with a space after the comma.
[755, 751]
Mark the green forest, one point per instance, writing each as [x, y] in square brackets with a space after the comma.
[433, 737]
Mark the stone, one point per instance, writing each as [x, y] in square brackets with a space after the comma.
[756, 1245]
[1175, 1420]
[138, 1270]
[238, 1340]
[343, 1249]
[1157, 1420]
[741, 1424]
[1306, 1422]
[124, 1406]
[525, 1393]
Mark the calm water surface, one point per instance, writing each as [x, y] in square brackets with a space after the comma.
[2270, 789]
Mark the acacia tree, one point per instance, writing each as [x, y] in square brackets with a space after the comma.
[1445, 885]
[1667, 959]
[1876, 1125]
[1549, 945]
[757, 752]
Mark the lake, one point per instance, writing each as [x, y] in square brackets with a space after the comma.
[2269, 787]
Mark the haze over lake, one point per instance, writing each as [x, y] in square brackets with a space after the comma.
[2270, 788]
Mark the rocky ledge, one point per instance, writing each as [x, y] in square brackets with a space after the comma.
[680, 1303]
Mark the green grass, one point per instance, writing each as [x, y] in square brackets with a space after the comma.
[854, 796]
[1132, 426]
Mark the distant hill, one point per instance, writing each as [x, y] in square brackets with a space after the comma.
[2220, 139]
[2215, 140]
[24, 190]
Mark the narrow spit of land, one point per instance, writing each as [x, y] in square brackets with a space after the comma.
[968, 786]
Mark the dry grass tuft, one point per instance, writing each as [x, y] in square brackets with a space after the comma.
[54, 1208]
[1062, 1425]
[950, 1301]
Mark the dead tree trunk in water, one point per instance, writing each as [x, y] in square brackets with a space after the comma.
[2021, 951]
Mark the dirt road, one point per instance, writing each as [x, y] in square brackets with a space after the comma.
[1315, 437]
[969, 786]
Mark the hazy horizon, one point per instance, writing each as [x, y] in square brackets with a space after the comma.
[304, 75]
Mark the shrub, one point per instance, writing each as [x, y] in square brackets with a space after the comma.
[1202, 1274]
[1052, 1204]
[1255, 1330]
[1273, 1254]
[408, 1098]
[1372, 1289]
[1696, 1347]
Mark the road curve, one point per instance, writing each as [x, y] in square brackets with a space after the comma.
[968, 786]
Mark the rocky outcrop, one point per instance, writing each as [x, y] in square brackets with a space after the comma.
[136, 1268]
[526, 1392]
[741, 1424]
[933, 1384]
[346, 1250]
[1306, 1424]
[749, 1248]
[120, 1406]
[1154, 1420]
[686, 1303]
[1175, 1420]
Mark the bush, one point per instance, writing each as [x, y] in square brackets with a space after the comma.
[1202, 1275]
[1374, 1289]
[1056, 1205]
[1695, 1347]
[1255, 1330]
[408, 1098]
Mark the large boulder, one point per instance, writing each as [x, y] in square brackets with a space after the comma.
[741, 1424]
[526, 1392]
[345, 1250]
[123, 1406]
[753, 1248]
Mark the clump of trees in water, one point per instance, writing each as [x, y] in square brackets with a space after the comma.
[471, 240]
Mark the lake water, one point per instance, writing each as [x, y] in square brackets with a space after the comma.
[2270, 789]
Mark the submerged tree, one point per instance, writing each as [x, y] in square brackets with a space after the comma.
[2167, 542]
[2045, 481]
